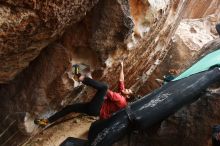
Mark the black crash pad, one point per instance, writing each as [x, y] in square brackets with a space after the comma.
[70, 141]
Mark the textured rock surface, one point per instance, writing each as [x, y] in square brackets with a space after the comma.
[188, 40]
[26, 27]
[203, 8]
[35, 73]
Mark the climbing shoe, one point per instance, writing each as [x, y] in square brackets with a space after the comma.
[75, 69]
[41, 122]
[76, 73]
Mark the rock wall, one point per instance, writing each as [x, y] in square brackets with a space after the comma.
[203, 8]
[29, 26]
[41, 40]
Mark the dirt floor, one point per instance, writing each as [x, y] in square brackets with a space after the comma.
[73, 126]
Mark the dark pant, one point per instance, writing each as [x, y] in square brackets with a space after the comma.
[91, 108]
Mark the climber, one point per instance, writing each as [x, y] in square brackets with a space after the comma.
[216, 135]
[104, 103]
[168, 77]
[217, 27]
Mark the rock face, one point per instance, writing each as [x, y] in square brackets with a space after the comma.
[29, 26]
[199, 9]
[41, 40]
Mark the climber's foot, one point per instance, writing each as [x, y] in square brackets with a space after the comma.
[41, 122]
[76, 72]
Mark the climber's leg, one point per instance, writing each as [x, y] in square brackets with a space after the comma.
[95, 104]
[78, 107]
[91, 108]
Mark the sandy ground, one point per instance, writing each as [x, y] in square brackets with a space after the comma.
[76, 126]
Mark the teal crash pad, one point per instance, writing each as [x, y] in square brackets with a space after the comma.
[208, 61]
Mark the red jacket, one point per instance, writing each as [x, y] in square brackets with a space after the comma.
[113, 102]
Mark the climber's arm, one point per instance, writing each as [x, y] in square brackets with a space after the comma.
[121, 77]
